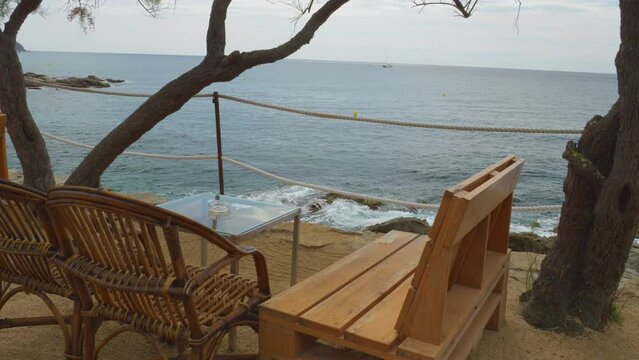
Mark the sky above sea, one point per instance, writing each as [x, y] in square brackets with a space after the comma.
[567, 35]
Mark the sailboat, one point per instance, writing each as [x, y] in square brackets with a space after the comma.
[386, 65]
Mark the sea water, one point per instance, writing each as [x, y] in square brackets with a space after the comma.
[398, 162]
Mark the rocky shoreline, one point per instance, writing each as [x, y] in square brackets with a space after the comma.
[35, 81]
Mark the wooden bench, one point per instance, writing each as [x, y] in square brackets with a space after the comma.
[406, 296]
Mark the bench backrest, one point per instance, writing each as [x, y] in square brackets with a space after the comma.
[473, 217]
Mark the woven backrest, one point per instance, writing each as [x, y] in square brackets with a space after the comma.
[128, 252]
[474, 217]
[27, 242]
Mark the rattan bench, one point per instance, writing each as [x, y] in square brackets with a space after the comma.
[406, 296]
[127, 262]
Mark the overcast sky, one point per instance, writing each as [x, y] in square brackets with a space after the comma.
[572, 35]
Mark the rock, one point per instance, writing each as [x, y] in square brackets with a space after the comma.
[529, 242]
[315, 206]
[33, 80]
[87, 82]
[330, 197]
[17, 177]
[19, 47]
[114, 81]
[413, 225]
[633, 261]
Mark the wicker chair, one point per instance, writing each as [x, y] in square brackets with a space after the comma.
[129, 256]
[27, 252]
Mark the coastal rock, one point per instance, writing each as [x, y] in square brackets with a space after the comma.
[315, 206]
[529, 242]
[330, 197]
[33, 80]
[409, 224]
[19, 47]
[632, 265]
[114, 81]
[90, 81]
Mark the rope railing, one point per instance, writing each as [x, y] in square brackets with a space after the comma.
[346, 194]
[321, 115]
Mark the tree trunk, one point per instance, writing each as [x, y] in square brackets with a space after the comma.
[598, 221]
[25, 135]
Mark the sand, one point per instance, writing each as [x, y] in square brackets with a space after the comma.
[321, 247]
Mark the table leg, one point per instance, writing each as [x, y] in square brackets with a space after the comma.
[235, 269]
[296, 244]
[204, 253]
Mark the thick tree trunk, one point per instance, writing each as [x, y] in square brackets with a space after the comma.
[580, 276]
[25, 135]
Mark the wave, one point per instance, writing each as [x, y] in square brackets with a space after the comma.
[352, 216]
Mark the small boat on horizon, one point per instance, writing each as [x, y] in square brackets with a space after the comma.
[386, 65]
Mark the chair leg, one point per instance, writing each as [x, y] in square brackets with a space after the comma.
[76, 332]
[90, 327]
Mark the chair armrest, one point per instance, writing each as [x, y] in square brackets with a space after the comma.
[260, 269]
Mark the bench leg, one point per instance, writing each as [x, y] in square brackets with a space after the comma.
[281, 343]
[499, 316]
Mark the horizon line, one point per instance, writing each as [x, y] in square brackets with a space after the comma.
[336, 61]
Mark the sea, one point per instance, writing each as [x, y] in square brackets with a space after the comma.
[404, 163]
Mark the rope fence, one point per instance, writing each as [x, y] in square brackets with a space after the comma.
[321, 115]
[287, 181]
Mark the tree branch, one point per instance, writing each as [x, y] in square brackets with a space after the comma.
[303, 37]
[216, 35]
[19, 15]
[464, 10]
[583, 166]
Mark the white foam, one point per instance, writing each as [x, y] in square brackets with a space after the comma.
[350, 215]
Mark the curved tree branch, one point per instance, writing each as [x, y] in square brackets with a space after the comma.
[303, 37]
[19, 15]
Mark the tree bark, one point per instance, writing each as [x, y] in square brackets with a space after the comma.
[25, 135]
[598, 221]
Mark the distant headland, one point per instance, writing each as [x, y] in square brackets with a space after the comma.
[19, 47]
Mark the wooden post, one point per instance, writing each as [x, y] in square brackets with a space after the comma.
[4, 164]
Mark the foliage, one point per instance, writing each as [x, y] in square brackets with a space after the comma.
[6, 7]
[83, 10]
[616, 316]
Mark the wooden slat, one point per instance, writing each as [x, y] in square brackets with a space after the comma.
[376, 329]
[344, 307]
[416, 349]
[472, 336]
[294, 301]
[324, 352]
[487, 196]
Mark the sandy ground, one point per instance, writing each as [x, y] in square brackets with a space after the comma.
[320, 248]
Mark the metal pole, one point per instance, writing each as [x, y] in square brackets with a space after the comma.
[218, 135]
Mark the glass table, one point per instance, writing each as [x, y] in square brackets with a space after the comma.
[245, 218]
